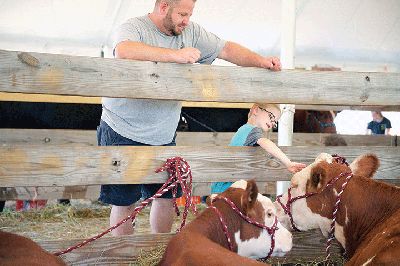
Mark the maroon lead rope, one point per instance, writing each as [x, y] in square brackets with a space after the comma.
[332, 232]
[179, 173]
[287, 208]
[224, 226]
[271, 230]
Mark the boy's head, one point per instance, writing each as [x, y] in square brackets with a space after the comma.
[264, 115]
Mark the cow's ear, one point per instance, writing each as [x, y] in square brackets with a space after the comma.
[249, 198]
[365, 165]
[210, 198]
[317, 178]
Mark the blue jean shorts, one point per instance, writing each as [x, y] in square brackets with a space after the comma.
[125, 195]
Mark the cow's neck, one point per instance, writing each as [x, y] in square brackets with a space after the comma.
[365, 204]
[209, 225]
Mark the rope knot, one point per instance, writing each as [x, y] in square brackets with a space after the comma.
[179, 172]
[340, 159]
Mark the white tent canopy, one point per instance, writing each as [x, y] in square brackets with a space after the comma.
[351, 34]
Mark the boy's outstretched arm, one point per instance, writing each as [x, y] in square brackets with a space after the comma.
[271, 148]
[295, 167]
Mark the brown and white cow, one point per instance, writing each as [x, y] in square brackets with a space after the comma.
[368, 216]
[203, 241]
[19, 250]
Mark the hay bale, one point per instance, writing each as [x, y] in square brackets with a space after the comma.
[150, 257]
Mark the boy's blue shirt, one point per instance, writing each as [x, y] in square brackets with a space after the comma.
[246, 135]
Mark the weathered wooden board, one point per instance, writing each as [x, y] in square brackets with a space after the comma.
[107, 250]
[93, 192]
[88, 137]
[25, 72]
[87, 165]
[49, 193]
[14, 136]
[124, 250]
[50, 98]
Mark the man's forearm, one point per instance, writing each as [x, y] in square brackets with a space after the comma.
[144, 52]
[241, 56]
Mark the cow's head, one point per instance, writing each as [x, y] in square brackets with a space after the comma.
[316, 211]
[253, 241]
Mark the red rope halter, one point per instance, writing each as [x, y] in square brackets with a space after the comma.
[288, 207]
[271, 230]
[179, 173]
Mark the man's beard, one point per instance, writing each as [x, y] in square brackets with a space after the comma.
[169, 24]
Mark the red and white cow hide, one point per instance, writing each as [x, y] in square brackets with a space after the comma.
[368, 216]
[203, 242]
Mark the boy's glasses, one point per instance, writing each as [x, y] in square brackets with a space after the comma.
[271, 117]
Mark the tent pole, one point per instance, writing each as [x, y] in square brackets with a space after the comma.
[288, 42]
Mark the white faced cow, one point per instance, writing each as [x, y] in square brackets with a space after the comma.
[205, 241]
[363, 214]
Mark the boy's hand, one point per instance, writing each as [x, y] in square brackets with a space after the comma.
[294, 167]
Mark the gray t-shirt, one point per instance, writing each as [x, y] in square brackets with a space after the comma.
[154, 122]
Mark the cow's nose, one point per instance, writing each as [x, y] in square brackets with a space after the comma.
[281, 250]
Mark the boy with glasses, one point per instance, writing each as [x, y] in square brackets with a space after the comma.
[262, 118]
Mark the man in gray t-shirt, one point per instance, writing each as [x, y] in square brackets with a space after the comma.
[165, 35]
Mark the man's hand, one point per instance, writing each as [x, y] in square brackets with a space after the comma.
[294, 167]
[187, 55]
[272, 63]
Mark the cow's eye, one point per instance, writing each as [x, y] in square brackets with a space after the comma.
[269, 214]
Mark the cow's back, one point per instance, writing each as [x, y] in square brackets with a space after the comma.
[196, 250]
[19, 250]
[382, 245]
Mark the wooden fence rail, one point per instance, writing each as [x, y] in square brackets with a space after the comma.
[88, 137]
[51, 98]
[93, 192]
[124, 250]
[88, 165]
[51, 137]
[85, 76]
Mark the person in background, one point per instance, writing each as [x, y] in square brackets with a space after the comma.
[165, 35]
[379, 125]
[262, 118]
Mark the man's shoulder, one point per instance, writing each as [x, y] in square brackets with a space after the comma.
[136, 20]
[194, 28]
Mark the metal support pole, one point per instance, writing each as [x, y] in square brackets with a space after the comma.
[288, 41]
